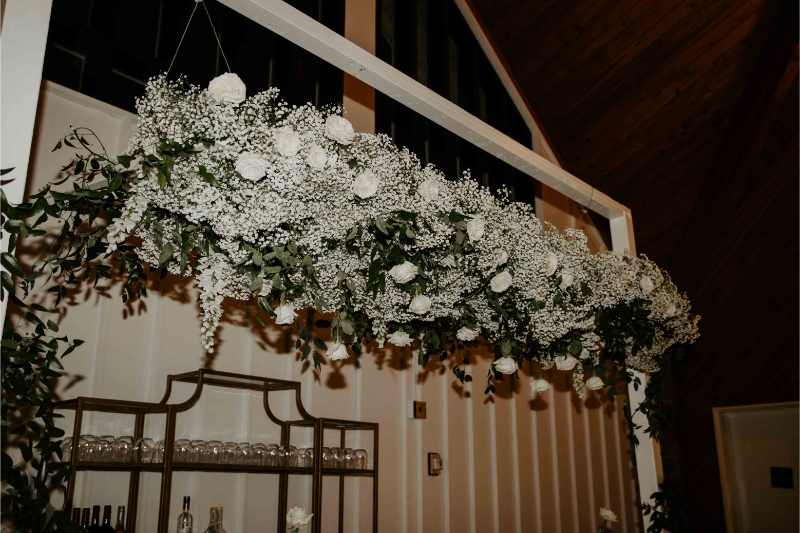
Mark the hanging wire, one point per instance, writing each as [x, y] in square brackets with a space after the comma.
[187, 29]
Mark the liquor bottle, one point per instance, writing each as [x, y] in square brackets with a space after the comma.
[220, 529]
[95, 525]
[105, 527]
[85, 518]
[185, 519]
[212, 521]
[76, 516]
[120, 520]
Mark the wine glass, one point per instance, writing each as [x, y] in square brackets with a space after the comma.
[361, 459]
[214, 451]
[182, 451]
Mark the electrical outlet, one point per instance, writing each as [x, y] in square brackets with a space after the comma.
[417, 410]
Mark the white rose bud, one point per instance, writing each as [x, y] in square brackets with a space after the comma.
[671, 310]
[266, 288]
[420, 305]
[552, 263]
[501, 281]
[337, 352]
[429, 189]
[566, 362]
[608, 514]
[466, 334]
[506, 365]
[399, 338]
[476, 228]
[317, 158]
[285, 314]
[228, 88]
[339, 129]
[594, 383]
[287, 142]
[646, 284]
[567, 277]
[585, 353]
[539, 385]
[403, 273]
[501, 257]
[251, 166]
[366, 184]
[297, 518]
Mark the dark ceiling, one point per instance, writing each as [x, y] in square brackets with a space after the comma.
[686, 112]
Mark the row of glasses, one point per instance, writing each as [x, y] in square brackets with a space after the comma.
[344, 458]
[107, 448]
[232, 453]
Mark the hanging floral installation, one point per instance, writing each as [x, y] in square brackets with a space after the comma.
[289, 206]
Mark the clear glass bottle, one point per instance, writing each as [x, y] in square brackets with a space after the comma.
[185, 519]
[212, 521]
[219, 529]
[120, 527]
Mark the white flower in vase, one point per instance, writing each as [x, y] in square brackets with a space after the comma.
[285, 314]
[339, 129]
[228, 88]
[366, 184]
[337, 352]
[506, 365]
[251, 166]
[404, 272]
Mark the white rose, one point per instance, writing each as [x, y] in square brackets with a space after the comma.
[420, 305]
[228, 88]
[646, 283]
[567, 277]
[501, 281]
[506, 365]
[449, 261]
[539, 385]
[476, 228]
[594, 383]
[566, 362]
[552, 263]
[671, 310]
[366, 184]
[403, 273]
[285, 314]
[399, 338]
[584, 353]
[501, 257]
[429, 189]
[339, 129]
[608, 514]
[466, 334]
[251, 166]
[317, 158]
[297, 517]
[337, 352]
[287, 142]
[266, 288]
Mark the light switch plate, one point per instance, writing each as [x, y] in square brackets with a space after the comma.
[435, 464]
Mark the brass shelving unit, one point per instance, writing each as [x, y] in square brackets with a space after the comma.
[201, 378]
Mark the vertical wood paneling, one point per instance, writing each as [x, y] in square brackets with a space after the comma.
[483, 452]
[459, 436]
[503, 453]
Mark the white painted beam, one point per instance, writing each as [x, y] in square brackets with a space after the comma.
[291, 24]
[648, 455]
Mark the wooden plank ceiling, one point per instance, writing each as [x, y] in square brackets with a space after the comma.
[686, 112]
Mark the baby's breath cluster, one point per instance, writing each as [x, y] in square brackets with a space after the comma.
[288, 205]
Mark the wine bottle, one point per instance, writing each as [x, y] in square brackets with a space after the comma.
[95, 525]
[185, 519]
[120, 527]
[105, 527]
[219, 529]
[212, 521]
[85, 518]
[76, 516]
